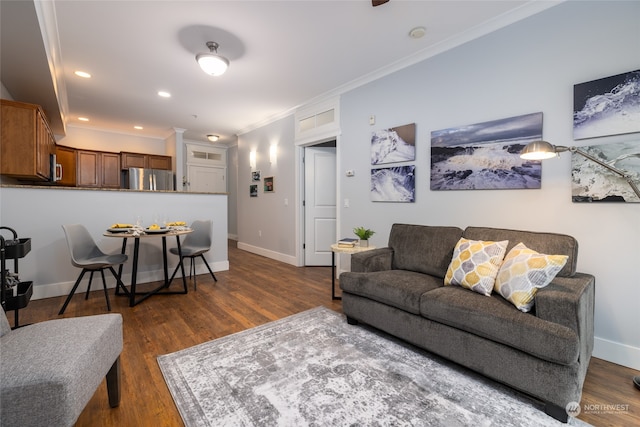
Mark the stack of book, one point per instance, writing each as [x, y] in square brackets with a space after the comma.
[347, 243]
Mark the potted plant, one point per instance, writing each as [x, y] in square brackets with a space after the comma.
[363, 234]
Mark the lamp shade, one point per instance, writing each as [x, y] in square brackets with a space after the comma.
[538, 150]
[212, 63]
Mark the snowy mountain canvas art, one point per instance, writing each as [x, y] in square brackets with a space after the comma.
[393, 145]
[486, 155]
[394, 184]
[590, 182]
[608, 106]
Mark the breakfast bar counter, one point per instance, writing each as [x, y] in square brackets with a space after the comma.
[40, 212]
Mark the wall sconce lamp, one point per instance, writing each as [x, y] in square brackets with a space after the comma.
[273, 153]
[541, 150]
[252, 159]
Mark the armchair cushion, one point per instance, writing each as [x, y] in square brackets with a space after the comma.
[50, 370]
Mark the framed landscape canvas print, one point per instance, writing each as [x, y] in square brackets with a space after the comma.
[591, 182]
[393, 145]
[393, 184]
[608, 106]
[486, 155]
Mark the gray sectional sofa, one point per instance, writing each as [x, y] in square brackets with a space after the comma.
[544, 353]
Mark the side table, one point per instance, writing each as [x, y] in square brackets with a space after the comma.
[337, 249]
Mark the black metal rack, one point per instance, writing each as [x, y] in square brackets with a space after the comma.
[16, 297]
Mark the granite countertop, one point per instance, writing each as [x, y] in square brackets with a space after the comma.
[125, 190]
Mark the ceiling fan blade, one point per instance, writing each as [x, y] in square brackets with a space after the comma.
[375, 3]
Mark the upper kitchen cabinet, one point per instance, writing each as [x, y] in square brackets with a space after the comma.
[26, 143]
[133, 160]
[145, 161]
[66, 159]
[98, 169]
[159, 162]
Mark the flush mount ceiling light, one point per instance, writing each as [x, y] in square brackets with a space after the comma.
[212, 63]
[417, 32]
[213, 138]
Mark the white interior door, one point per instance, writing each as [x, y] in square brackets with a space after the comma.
[206, 179]
[320, 204]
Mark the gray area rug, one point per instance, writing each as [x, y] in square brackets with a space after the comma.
[313, 369]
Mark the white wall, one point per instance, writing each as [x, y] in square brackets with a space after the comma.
[527, 67]
[232, 189]
[266, 224]
[101, 140]
[39, 214]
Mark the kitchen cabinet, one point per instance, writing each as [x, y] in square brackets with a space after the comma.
[133, 160]
[98, 169]
[159, 162]
[145, 161]
[67, 163]
[26, 142]
[110, 170]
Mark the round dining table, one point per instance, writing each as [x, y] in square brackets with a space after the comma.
[132, 292]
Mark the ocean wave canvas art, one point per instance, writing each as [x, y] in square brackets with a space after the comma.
[393, 145]
[591, 182]
[486, 156]
[608, 106]
[394, 184]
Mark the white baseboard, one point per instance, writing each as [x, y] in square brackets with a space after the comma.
[288, 259]
[232, 237]
[50, 290]
[615, 352]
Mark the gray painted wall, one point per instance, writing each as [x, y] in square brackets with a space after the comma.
[527, 67]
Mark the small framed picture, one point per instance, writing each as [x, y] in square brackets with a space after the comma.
[255, 176]
[253, 190]
[269, 185]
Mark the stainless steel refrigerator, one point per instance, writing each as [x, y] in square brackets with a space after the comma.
[150, 179]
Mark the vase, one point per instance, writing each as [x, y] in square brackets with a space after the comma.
[364, 243]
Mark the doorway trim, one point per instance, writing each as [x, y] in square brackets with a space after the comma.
[325, 119]
[299, 177]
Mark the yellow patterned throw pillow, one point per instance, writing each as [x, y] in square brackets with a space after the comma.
[475, 264]
[523, 272]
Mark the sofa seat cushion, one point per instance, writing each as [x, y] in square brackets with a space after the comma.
[496, 319]
[398, 288]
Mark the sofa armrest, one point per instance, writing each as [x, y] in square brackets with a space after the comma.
[570, 301]
[373, 260]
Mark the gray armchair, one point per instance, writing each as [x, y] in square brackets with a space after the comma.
[50, 370]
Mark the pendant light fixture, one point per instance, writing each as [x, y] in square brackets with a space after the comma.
[212, 63]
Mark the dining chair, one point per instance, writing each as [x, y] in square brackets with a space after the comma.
[195, 245]
[85, 254]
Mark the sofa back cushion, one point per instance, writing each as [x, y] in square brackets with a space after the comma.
[546, 243]
[422, 248]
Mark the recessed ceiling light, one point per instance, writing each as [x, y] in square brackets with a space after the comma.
[164, 94]
[138, 127]
[417, 32]
[83, 74]
[83, 119]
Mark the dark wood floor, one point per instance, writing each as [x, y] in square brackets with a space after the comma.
[255, 290]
